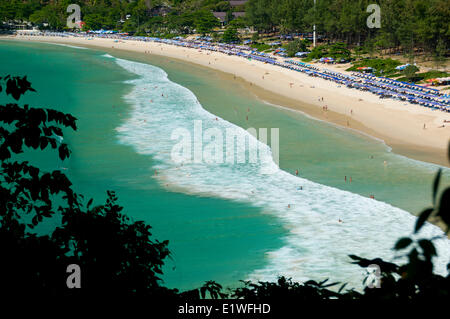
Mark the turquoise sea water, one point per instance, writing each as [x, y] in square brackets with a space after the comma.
[224, 222]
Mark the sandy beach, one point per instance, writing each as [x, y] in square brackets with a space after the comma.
[399, 124]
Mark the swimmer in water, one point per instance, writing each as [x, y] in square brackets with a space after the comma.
[296, 172]
[289, 205]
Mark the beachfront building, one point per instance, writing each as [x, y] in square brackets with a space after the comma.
[161, 11]
[17, 25]
[238, 3]
[222, 16]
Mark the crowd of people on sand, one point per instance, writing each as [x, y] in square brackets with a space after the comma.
[381, 86]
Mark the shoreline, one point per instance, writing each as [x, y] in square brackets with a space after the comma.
[398, 124]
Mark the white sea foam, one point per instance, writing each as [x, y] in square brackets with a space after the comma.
[66, 45]
[316, 245]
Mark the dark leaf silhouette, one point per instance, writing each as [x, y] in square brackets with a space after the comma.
[444, 206]
[125, 259]
[17, 86]
[427, 247]
[436, 185]
[423, 218]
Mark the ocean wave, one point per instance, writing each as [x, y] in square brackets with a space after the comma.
[317, 244]
[66, 45]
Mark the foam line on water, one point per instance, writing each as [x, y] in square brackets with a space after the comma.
[389, 149]
[412, 161]
[66, 45]
[316, 245]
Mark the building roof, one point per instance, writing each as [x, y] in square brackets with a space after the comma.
[220, 15]
[237, 3]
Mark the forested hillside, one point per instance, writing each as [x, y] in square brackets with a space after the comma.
[412, 24]
[408, 23]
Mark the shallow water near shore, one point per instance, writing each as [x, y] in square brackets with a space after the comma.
[218, 229]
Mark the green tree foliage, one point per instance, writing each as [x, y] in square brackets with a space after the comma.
[337, 51]
[297, 46]
[410, 72]
[381, 66]
[404, 23]
[114, 254]
[205, 21]
[231, 35]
